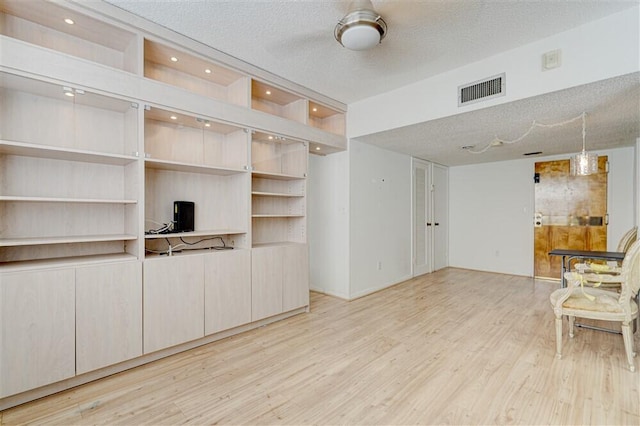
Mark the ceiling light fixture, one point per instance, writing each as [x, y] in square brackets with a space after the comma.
[581, 164]
[362, 28]
[584, 163]
[174, 59]
[207, 70]
[69, 21]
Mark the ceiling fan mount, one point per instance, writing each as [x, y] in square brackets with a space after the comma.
[362, 28]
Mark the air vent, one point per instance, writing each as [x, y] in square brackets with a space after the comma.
[482, 90]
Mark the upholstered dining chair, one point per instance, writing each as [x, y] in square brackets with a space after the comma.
[604, 276]
[598, 304]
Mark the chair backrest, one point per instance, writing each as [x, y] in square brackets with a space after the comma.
[627, 239]
[630, 273]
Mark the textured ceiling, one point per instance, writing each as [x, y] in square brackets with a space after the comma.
[612, 120]
[294, 40]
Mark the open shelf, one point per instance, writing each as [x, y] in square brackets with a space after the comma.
[47, 24]
[275, 101]
[29, 265]
[194, 143]
[190, 168]
[275, 194]
[68, 120]
[205, 233]
[58, 153]
[327, 119]
[64, 200]
[194, 73]
[70, 239]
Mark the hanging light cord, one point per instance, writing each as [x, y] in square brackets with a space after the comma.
[498, 141]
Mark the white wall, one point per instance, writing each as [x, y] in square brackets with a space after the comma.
[380, 218]
[491, 211]
[328, 223]
[596, 51]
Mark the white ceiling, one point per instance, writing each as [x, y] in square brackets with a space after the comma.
[294, 40]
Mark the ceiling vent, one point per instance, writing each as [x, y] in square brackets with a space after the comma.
[482, 90]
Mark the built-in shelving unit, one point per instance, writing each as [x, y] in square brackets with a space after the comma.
[53, 26]
[65, 191]
[199, 160]
[105, 122]
[327, 119]
[194, 73]
[275, 101]
[278, 189]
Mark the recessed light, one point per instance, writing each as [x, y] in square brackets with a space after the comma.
[174, 59]
[68, 91]
[173, 117]
[315, 109]
[69, 21]
[208, 71]
[270, 137]
[317, 148]
[207, 124]
[268, 92]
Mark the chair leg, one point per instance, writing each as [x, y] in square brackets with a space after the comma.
[572, 321]
[628, 344]
[559, 337]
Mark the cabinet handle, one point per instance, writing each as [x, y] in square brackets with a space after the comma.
[437, 224]
[428, 223]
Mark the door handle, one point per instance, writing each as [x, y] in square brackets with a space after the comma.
[437, 224]
[428, 223]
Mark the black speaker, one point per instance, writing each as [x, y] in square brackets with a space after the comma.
[183, 216]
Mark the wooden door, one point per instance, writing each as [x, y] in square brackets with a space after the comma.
[570, 213]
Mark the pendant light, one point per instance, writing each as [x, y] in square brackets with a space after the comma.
[584, 163]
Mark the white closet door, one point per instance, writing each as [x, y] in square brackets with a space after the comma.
[422, 229]
[440, 209]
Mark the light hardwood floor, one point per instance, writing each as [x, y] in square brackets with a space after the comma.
[452, 347]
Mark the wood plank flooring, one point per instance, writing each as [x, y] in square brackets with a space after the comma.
[452, 347]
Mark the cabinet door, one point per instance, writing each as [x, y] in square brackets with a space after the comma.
[108, 315]
[227, 290]
[266, 282]
[37, 329]
[295, 281]
[173, 301]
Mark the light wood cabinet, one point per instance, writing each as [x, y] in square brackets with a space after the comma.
[37, 329]
[280, 279]
[108, 314]
[295, 280]
[173, 301]
[227, 290]
[266, 282]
